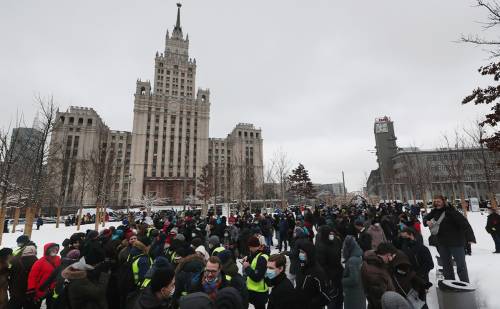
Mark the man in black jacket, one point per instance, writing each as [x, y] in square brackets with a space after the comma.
[493, 227]
[454, 232]
[419, 255]
[282, 295]
[328, 255]
[311, 279]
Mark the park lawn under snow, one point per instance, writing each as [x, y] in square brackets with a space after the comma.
[483, 265]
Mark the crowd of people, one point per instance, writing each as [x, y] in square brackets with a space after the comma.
[352, 257]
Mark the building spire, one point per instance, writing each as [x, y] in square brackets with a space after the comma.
[178, 22]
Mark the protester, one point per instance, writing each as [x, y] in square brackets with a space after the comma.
[5, 259]
[376, 275]
[311, 284]
[40, 272]
[158, 295]
[21, 265]
[255, 267]
[493, 228]
[282, 294]
[354, 295]
[452, 231]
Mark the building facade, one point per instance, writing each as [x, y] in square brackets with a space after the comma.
[169, 144]
[409, 174]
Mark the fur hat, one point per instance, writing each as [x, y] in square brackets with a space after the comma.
[82, 265]
[73, 254]
[253, 242]
[29, 251]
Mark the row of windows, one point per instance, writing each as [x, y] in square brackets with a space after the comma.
[71, 120]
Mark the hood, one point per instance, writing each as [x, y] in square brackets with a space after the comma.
[401, 260]
[376, 228]
[310, 250]
[394, 300]
[149, 300]
[230, 268]
[159, 262]
[351, 248]
[299, 232]
[372, 258]
[228, 298]
[192, 264]
[49, 246]
[324, 232]
[73, 274]
[203, 251]
[198, 300]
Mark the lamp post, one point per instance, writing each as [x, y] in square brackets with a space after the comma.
[130, 180]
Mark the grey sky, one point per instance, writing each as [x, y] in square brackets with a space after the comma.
[312, 74]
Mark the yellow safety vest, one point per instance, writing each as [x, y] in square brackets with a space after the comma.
[259, 286]
[145, 283]
[218, 250]
[135, 269]
[17, 251]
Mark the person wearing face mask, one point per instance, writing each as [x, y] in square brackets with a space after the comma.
[159, 293]
[282, 294]
[375, 273]
[254, 268]
[311, 288]
[328, 254]
[405, 279]
[419, 255]
[40, 272]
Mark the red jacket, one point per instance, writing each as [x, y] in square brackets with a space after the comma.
[41, 271]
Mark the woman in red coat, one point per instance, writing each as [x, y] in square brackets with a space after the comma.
[41, 271]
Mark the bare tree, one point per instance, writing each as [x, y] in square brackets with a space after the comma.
[487, 160]
[452, 158]
[282, 167]
[205, 187]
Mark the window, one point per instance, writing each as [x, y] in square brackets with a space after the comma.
[71, 120]
[89, 122]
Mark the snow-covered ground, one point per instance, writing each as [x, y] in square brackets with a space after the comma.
[483, 266]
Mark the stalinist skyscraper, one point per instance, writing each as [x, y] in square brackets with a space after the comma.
[170, 129]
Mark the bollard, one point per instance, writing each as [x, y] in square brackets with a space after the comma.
[456, 294]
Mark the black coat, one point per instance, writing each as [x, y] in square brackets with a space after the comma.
[454, 230]
[364, 240]
[493, 223]
[311, 279]
[419, 256]
[282, 294]
[328, 255]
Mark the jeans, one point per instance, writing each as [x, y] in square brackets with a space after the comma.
[281, 241]
[458, 254]
[496, 239]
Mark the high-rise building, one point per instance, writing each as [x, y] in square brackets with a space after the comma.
[164, 154]
[170, 130]
[386, 148]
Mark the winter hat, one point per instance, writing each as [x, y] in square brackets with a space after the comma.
[161, 278]
[5, 252]
[299, 232]
[22, 240]
[180, 237]
[73, 254]
[214, 240]
[196, 242]
[201, 249]
[118, 234]
[228, 298]
[253, 242]
[359, 222]
[92, 234]
[29, 251]
[82, 265]
[224, 256]
[392, 300]
[159, 262]
[66, 242]
[198, 300]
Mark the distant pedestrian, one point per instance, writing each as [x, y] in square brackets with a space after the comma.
[493, 227]
[39, 222]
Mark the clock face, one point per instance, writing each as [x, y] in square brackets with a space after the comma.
[381, 128]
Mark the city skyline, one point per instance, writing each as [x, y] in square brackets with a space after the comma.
[246, 63]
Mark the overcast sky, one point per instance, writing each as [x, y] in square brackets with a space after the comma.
[312, 74]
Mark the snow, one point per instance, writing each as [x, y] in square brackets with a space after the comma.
[482, 265]
[48, 233]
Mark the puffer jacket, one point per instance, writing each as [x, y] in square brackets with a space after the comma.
[354, 295]
[84, 293]
[41, 271]
[376, 278]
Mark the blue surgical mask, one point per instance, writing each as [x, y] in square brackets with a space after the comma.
[270, 274]
[302, 257]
